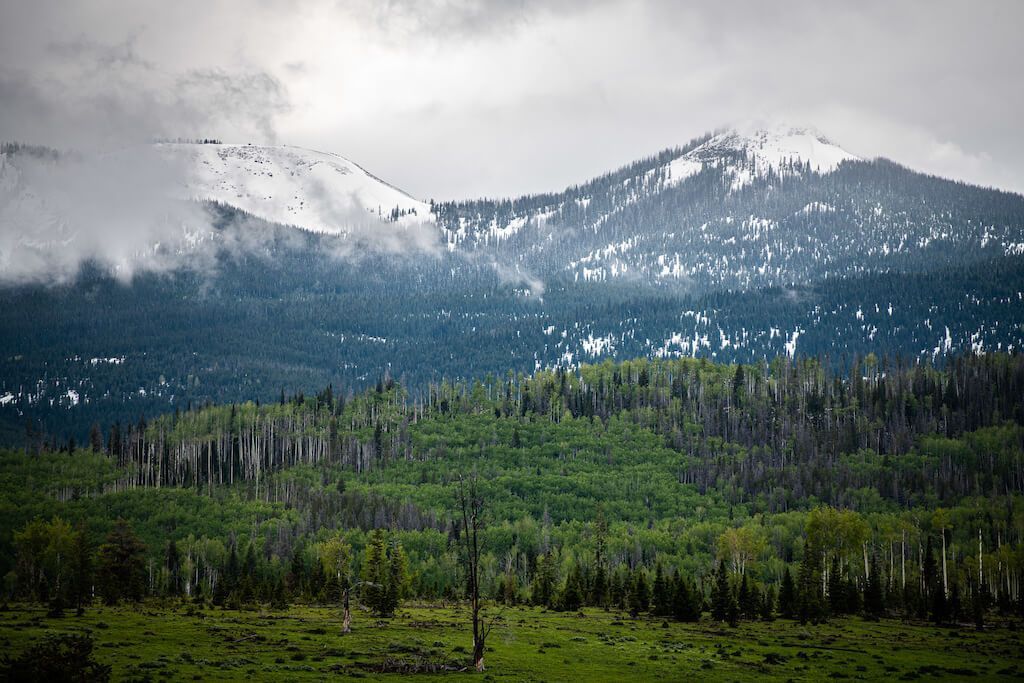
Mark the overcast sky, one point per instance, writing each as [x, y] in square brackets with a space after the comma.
[454, 98]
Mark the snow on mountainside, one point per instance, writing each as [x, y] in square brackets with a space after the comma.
[774, 147]
[742, 208]
[740, 155]
[314, 190]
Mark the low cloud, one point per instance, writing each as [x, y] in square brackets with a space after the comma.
[517, 276]
[113, 210]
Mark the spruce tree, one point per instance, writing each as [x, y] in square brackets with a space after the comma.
[121, 571]
[572, 594]
[837, 594]
[639, 597]
[767, 611]
[874, 600]
[398, 577]
[172, 562]
[544, 580]
[787, 596]
[808, 588]
[721, 598]
[661, 596]
[375, 574]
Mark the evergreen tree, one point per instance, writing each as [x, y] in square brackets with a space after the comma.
[661, 594]
[808, 588]
[874, 599]
[544, 580]
[837, 593]
[722, 597]
[96, 438]
[398, 577]
[749, 599]
[296, 578]
[572, 594]
[121, 570]
[639, 596]
[376, 575]
[81, 568]
[767, 607]
[172, 562]
[787, 596]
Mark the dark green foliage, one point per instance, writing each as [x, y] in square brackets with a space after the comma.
[172, 563]
[57, 658]
[767, 606]
[121, 571]
[661, 593]
[809, 598]
[787, 596]
[639, 594]
[874, 597]
[722, 599]
[572, 593]
[545, 579]
[686, 601]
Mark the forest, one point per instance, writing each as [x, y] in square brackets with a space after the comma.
[680, 489]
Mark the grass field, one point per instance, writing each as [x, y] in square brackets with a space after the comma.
[163, 642]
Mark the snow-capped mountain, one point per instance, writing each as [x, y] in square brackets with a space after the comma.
[317, 191]
[743, 244]
[738, 209]
[749, 152]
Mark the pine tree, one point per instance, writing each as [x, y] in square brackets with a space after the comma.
[398, 577]
[661, 595]
[172, 562]
[296, 579]
[685, 601]
[599, 591]
[96, 438]
[767, 608]
[874, 600]
[787, 596]
[81, 568]
[749, 599]
[808, 588]
[544, 581]
[572, 594]
[722, 598]
[837, 599]
[639, 596]
[375, 574]
[121, 571]
[232, 571]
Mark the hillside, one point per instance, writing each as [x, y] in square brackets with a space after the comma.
[644, 486]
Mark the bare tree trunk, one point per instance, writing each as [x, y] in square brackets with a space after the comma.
[945, 579]
[472, 507]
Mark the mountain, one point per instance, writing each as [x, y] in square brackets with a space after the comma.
[287, 185]
[741, 245]
[778, 206]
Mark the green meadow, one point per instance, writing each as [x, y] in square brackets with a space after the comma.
[165, 641]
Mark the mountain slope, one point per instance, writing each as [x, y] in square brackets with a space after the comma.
[317, 191]
[735, 210]
[737, 246]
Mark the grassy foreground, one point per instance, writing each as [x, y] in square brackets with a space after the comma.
[179, 643]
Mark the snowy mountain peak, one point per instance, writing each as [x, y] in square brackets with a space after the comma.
[317, 191]
[748, 151]
[776, 144]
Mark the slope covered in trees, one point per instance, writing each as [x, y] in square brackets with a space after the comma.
[673, 487]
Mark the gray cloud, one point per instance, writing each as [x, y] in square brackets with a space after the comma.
[463, 98]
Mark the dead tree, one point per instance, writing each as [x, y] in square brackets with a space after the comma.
[471, 505]
[346, 624]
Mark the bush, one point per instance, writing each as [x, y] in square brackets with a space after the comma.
[54, 659]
